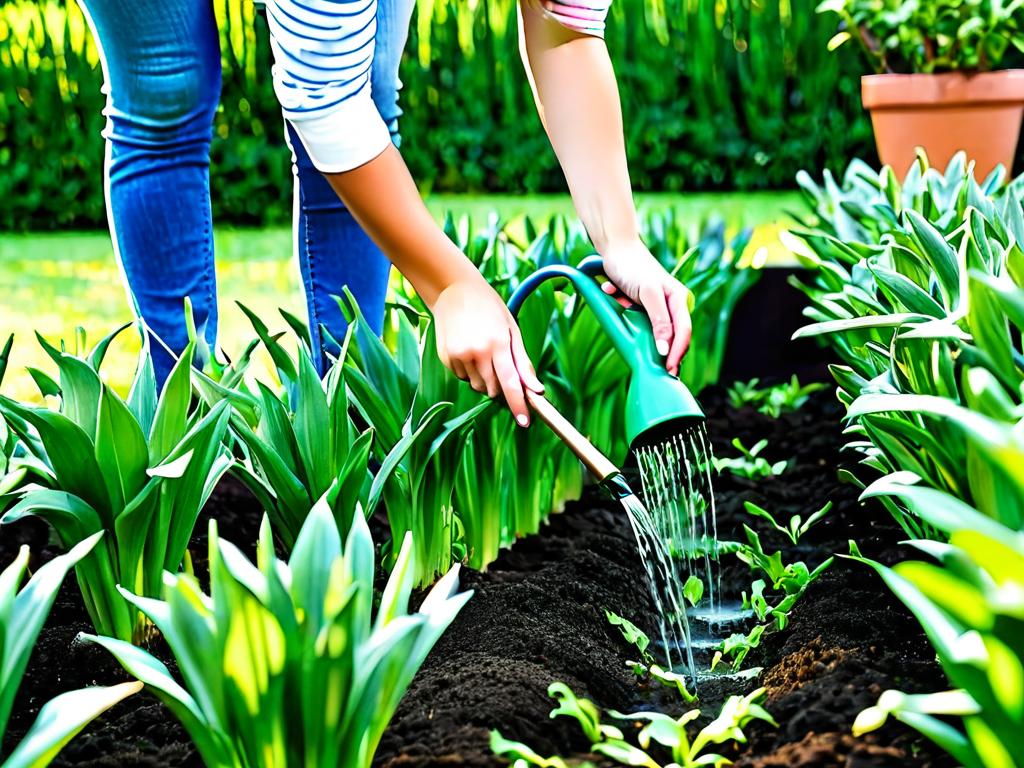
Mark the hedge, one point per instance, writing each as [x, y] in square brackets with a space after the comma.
[718, 94]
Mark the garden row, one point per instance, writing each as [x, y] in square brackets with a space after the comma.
[918, 287]
[122, 481]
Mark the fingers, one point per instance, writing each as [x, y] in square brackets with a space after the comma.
[509, 378]
[612, 290]
[655, 302]
[682, 328]
[475, 376]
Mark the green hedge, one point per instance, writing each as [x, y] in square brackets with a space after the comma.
[719, 94]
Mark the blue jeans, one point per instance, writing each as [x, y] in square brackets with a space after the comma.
[162, 66]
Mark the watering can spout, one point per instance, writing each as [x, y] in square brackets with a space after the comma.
[657, 403]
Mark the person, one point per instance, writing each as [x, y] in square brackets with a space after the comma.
[357, 208]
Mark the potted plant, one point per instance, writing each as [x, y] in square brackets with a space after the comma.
[937, 82]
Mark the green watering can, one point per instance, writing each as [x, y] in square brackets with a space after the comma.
[657, 403]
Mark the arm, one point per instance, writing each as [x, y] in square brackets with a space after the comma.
[477, 337]
[322, 60]
[578, 101]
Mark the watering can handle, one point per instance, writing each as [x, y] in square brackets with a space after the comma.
[592, 266]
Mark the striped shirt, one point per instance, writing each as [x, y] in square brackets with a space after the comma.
[323, 53]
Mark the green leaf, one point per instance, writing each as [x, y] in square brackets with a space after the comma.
[61, 719]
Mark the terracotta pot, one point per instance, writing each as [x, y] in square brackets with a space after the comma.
[980, 114]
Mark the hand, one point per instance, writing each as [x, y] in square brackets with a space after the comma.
[478, 339]
[641, 279]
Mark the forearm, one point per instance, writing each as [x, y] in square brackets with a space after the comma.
[578, 100]
[385, 201]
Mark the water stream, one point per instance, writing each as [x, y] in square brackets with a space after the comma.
[676, 478]
[677, 535]
[666, 588]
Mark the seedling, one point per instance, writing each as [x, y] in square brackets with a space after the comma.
[633, 635]
[737, 646]
[668, 732]
[797, 526]
[522, 756]
[792, 578]
[647, 667]
[776, 400]
[665, 677]
[749, 464]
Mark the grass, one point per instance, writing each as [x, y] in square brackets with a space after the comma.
[53, 282]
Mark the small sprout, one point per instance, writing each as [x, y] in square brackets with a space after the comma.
[633, 635]
[773, 401]
[737, 646]
[671, 733]
[797, 526]
[750, 464]
[584, 711]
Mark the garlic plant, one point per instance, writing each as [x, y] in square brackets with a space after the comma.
[138, 469]
[285, 663]
[23, 611]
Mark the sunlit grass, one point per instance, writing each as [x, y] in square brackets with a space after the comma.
[52, 283]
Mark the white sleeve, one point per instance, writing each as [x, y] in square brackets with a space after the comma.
[323, 52]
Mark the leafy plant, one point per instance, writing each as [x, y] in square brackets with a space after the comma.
[796, 527]
[750, 464]
[775, 400]
[736, 713]
[22, 615]
[140, 470]
[285, 663]
[918, 288]
[301, 442]
[969, 598]
[405, 395]
[933, 36]
[792, 579]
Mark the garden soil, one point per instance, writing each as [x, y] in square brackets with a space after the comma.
[538, 615]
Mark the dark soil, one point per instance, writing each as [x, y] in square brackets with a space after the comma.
[538, 616]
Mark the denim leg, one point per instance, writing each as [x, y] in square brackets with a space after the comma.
[332, 249]
[161, 62]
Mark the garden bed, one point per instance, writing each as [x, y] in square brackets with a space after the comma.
[538, 616]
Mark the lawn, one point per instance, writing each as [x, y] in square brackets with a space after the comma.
[54, 282]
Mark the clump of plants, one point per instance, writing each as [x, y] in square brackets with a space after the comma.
[930, 35]
[788, 582]
[23, 611]
[968, 596]
[299, 443]
[286, 662]
[656, 734]
[775, 400]
[139, 470]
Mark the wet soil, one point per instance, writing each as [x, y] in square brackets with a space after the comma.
[538, 616]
